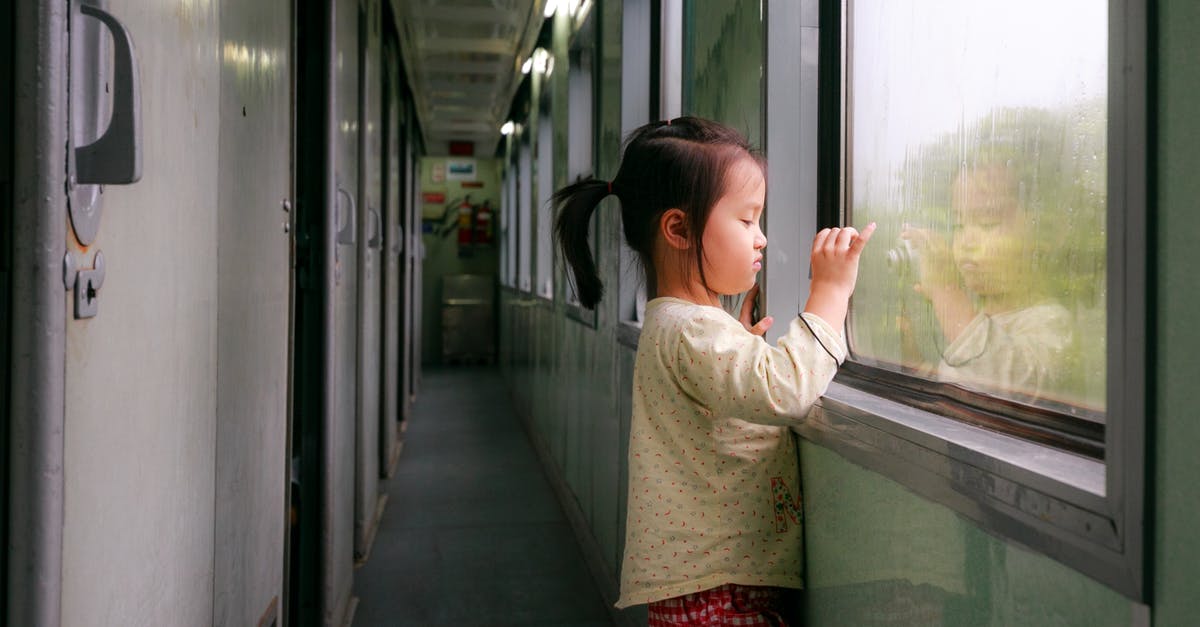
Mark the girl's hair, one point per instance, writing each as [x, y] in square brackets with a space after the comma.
[677, 164]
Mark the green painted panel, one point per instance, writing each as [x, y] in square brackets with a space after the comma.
[1176, 505]
[878, 554]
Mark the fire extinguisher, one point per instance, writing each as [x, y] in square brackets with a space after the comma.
[483, 224]
[465, 218]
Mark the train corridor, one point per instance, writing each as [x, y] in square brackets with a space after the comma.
[472, 533]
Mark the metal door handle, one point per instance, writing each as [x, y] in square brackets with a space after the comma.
[115, 158]
[346, 233]
[376, 239]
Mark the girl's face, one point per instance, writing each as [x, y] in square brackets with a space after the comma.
[990, 233]
[733, 241]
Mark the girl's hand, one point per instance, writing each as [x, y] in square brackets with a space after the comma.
[934, 264]
[747, 316]
[835, 256]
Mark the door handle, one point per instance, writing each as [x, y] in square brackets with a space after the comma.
[346, 232]
[376, 239]
[116, 157]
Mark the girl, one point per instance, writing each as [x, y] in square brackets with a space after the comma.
[713, 528]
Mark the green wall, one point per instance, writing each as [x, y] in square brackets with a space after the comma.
[877, 553]
[442, 252]
[1175, 222]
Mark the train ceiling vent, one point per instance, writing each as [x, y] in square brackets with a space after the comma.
[464, 64]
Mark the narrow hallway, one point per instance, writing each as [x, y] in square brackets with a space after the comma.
[472, 533]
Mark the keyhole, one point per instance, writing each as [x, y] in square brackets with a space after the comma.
[91, 292]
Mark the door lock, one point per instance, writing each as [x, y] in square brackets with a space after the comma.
[86, 283]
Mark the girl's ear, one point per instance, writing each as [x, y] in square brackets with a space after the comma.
[674, 229]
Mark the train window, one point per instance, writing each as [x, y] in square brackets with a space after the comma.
[722, 71]
[524, 244]
[722, 64]
[581, 130]
[998, 364]
[984, 164]
[637, 79]
[545, 209]
[508, 231]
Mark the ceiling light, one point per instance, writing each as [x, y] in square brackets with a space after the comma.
[507, 129]
[551, 6]
[539, 60]
[527, 66]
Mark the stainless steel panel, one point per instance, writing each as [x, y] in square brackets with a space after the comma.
[338, 528]
[254, 170]
[370, 188]
[392, 249]
[140, 436]
[34, 547]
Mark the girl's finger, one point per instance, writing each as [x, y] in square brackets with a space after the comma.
[819, 240]
[845, 236]
[748, 306]
[830, 243]
[762, 326]
[860, 242]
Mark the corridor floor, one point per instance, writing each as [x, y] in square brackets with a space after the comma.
[472, 533]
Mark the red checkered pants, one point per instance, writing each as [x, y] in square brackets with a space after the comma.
[726, 605]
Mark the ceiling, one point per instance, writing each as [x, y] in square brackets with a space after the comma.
[464, 62]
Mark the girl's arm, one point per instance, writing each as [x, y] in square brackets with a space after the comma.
[733, 373]
[835, 256]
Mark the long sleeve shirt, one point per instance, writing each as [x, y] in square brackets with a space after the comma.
[713, 473]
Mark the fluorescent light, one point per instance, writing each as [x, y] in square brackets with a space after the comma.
[528, 65]
[507, 129]
[551, 6]
[539, 60]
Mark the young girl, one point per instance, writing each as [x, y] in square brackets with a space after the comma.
[712, 527]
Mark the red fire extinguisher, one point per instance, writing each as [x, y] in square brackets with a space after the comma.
[465, 219]
[483, 224]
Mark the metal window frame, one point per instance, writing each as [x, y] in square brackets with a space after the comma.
[1087, 514]
[585, 34]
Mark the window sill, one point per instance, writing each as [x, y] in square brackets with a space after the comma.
[628, 333]
[1046, 499]
[583, 316]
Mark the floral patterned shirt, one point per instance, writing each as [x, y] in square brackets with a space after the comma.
[713, 474]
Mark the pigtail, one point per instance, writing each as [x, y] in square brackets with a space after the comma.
[576, 203]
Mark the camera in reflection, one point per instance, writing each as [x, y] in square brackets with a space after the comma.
[903, 258]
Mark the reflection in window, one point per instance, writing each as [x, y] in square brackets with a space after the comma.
[580, 121]
[983, 161]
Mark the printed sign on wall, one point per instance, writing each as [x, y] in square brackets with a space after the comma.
[460, 170]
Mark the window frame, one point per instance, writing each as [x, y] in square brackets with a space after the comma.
[1085, 513]
[525, 210]
[543, 164]
[585, 42]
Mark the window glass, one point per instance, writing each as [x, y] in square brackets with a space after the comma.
[545, 209]
[524, 215]
[722, 74]
[976, 140]
[580, 123]
[508, 232]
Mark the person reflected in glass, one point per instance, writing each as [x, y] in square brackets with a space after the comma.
[1000, 330]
